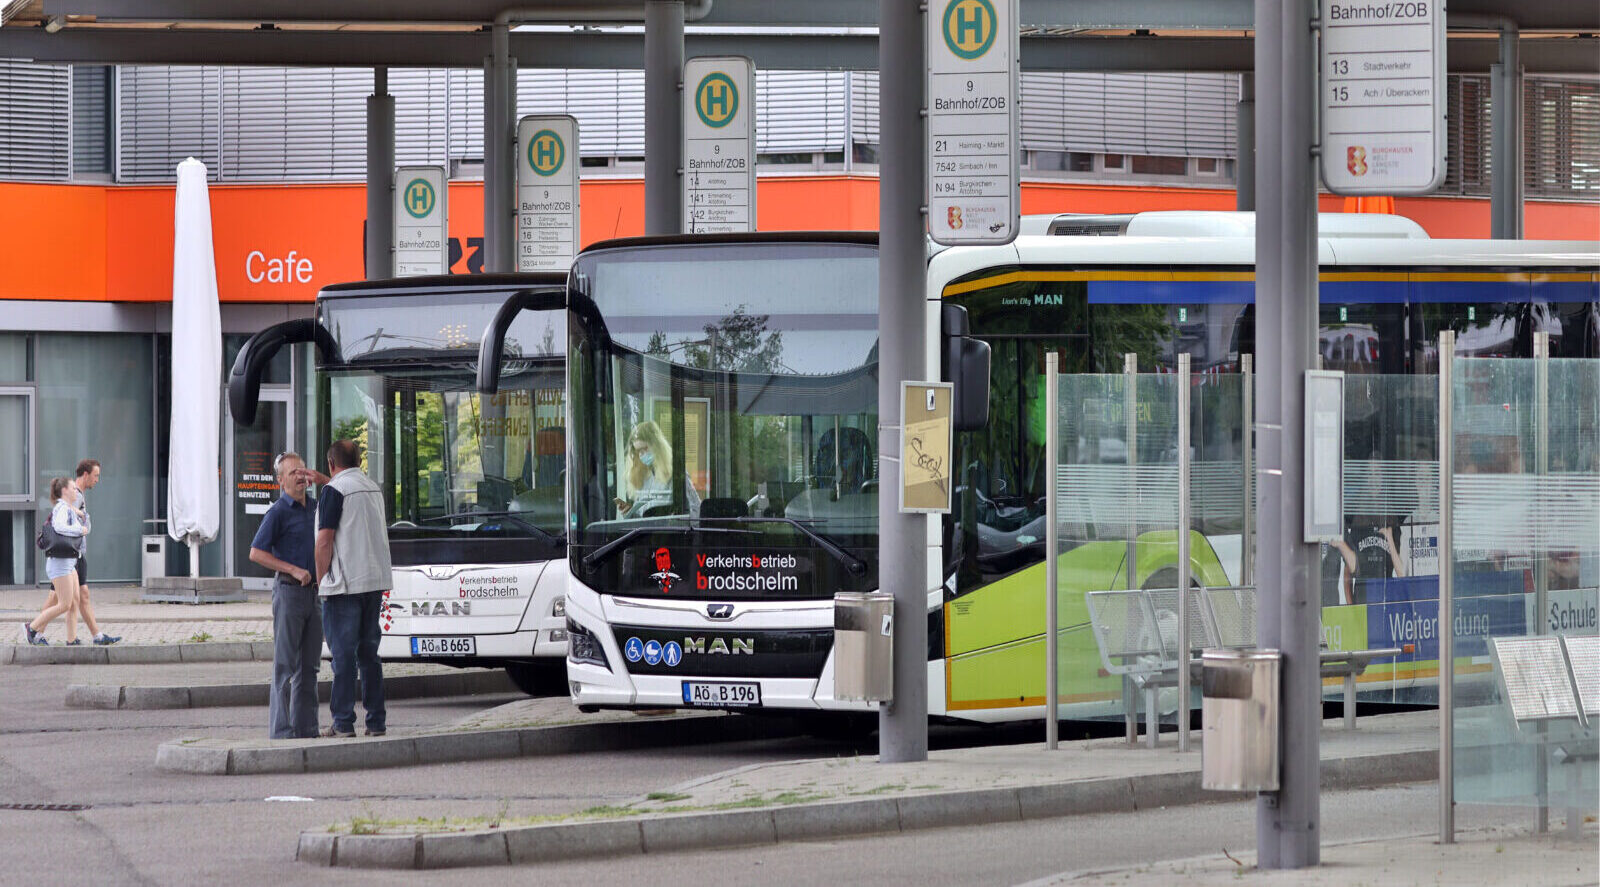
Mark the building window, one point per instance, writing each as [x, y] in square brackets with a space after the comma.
[1146, 165]
[1114, 162]
[92, 121]
[1206, 166]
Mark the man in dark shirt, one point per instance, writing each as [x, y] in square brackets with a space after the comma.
[286, 543]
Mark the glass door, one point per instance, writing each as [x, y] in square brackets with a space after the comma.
[248, 482]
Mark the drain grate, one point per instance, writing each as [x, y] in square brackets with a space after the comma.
[48, 808]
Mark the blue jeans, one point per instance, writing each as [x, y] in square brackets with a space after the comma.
[350, 622]
[296, 655]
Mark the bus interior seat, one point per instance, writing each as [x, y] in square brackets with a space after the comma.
[854, 460]
[780, 493]
[723, 506]
[495, 493]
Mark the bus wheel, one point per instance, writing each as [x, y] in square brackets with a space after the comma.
[538, 678]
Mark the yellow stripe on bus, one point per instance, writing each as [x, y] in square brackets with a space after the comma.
[957, 289]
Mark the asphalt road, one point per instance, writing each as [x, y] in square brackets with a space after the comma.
[142, 826]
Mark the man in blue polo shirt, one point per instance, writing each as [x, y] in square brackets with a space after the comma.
[286, 543]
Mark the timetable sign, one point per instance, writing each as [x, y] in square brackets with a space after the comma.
[547, 193]
[1383, 96]
[719, 145]
[421, 221]
[972, 48]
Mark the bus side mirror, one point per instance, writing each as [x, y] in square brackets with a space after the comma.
[966, 365]
[492, 347]
[244, 381]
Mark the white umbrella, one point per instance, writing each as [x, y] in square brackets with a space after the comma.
[193, 511]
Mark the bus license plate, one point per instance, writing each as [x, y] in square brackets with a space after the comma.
[444, 646]
[717, 694]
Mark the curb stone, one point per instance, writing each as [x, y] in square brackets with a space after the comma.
[135, 654]
[829, 819]
[110, 696]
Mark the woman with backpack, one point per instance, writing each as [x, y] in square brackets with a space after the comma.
[69, 525]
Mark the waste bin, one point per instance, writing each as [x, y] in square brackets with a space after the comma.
[1239, 720]
[863, 646]
[153, 551]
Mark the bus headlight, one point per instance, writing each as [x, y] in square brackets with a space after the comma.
[584, 648]
[558, 607]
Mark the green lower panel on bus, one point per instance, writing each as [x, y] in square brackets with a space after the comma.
[994, 636]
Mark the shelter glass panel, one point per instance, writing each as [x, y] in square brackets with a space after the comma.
[1526, 565]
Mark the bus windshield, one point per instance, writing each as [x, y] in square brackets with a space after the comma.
[725, 419]
[466, 478]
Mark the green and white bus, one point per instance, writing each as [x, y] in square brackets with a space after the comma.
[473, 486]
[722, 439]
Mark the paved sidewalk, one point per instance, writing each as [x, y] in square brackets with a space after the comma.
[1493, 856]
[525, 728]
[248, 683]
[120, 612]
[841, 797]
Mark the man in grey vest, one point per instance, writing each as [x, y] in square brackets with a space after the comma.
[353, 573]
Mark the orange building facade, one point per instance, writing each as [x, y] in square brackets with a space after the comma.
[279, 243]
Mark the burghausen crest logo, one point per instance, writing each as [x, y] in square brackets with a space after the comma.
[1355, 160]
[663, 575]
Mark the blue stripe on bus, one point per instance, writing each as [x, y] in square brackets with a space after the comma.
[1171, 292]
[1342, 292]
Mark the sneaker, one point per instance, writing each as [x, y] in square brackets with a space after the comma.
[335, 733]
[76, 643]
[378, 732]
[106, 640]
[34, 638]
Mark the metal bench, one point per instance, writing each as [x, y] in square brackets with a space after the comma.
[1550, 685]
[1137, 632]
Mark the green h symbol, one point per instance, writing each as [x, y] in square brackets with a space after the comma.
[417, 197]
[717, 99]
[969, 20]
[547, 153]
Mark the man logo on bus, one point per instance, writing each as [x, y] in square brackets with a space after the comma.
[1355, 159]
[546, 152]
[663, 574]
[969, 28]
[953, 216]
[420, 198]
[716, 99]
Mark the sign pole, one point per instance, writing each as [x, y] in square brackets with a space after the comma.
[1052, 547]
[1288, 821]
[903, 539]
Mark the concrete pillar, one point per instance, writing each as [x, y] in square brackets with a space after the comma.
[380, 178]
[499, 142]
[663, 116]
[1505, 115]
[1245, 130]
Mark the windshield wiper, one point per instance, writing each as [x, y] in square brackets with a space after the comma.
[514, 515]
[855, 565]
[593, 558]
